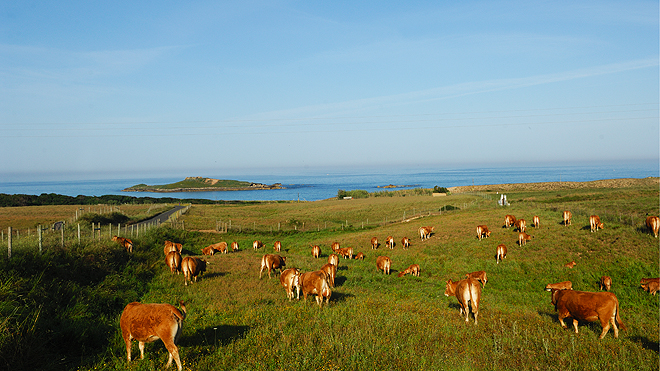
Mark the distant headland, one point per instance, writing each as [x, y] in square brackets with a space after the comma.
[200, 184]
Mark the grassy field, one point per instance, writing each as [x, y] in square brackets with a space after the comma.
[374, 322]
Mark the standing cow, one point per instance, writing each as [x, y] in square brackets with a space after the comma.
[316, 251]
[271, 262]
[594, 223]
[509, 220]
[405, 243]
[150, 322]
[567, 215]
[192, 267]
[383, 263]
[501, 253]
[468, 293]
[425, 232]
[482, 231]
[173, 261]
[536, 221]
[289, 279]
[316, 283]
[588, 306]
[653, 224]
[374, 242]
[389, 241]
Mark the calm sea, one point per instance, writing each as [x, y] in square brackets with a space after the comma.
[313, 186]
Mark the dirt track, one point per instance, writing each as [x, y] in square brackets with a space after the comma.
[551, 186]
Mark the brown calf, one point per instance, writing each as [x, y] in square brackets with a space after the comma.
[277, 246]
[520, 225]
[389, 242]
[316, 251]
[567, 217]
[374, 242]
[272, 262]
[257, 245]
[234, 246]
[536, 221]
[383, 263]
[405, 242]
[150, 322]
[594, 223]
[482, 231]
[425, 232]
[413, 270]
[523, 238]
[359, 256]
[571, 264]
[605, 283]
[501, 253]
[124, 242]
[565, 285]
[479, 276]
[289, 279]
[509, 220]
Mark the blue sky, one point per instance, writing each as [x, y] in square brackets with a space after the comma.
[211, 88]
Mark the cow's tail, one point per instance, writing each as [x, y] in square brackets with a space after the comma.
[618, 319]
[183, 309]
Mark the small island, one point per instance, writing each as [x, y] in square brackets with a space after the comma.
[200, 184]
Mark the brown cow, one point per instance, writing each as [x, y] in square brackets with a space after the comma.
[173, 261]
[523, 238]
[588, 306]
[520, 225]
[509, 220]
[316, 283]
[289, 279]
[501, 253]
[567, 217]
[331, 271]
[208, 250]
[335, 246]
[605, 283]
[359, 256]
[647, 280]
[413, 269]
[172, 246]
[425, 232]
[346, 252]
[479, 276]
[565, 285]
[383, 263]
[234, 246]
[257, 244]
[211, 249]
[316, 251]
[150, 322]
[124, 242]
[389, 242]
[468, 293]
[594, 222]
[653, 224]
[482, 231]
[405, 243]
[536, 221]
[333, 259]
[271, 262]
[374, 242]
[570, 265]
[651, 287]
[277, 246]
[192, 267]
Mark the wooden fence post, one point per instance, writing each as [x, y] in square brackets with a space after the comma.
[39, 235]
[78, 233]
[62, 230]
[9, 243]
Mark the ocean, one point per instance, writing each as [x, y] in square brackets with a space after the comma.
[313, 185]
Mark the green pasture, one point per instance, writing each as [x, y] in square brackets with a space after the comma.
[373, 322]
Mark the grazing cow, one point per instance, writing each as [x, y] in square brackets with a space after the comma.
[333, 259]
[346, 252]
[211, 249]
[405, 243]
[316, 251]
[501, 253]
[468, 293]
[173, 261]
[523, 238]
[425, 232]
[374, 242]
[479, 276]
[150, 322]
[509, 220]
[124, 242]
[289, 279]
[567, 218]
[257, 245]
[482, 231]
[536, 221]
[565, 285]
[331, 271]
[272, 262]
[389, 242]
[234, 246]
[277, 246]
[192, 267]
[335, 246]
[570, 265]
[588, 306]
[359, 256]
[413, 269]
[594, 222]
[651, 287]
[316, 283]
[605, 283]
[653, 224]
[172, 246]
[520, 225]
[383, 263]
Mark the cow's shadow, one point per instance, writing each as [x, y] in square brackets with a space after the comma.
[338, 297]
[647, 344]
[213, 274]
[220, 335]
[586, 228]
[339, 281]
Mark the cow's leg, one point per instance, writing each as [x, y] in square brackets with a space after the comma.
[127, 340]
[174, 354]
[141, 346]
[575, 325]
[561, 321]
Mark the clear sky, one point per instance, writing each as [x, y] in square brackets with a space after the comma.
[205, 88]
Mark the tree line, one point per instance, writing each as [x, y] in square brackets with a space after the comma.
[7, 200]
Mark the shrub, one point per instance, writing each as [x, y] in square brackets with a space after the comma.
[437, 189]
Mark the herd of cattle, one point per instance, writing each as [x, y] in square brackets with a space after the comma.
[150, 322]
